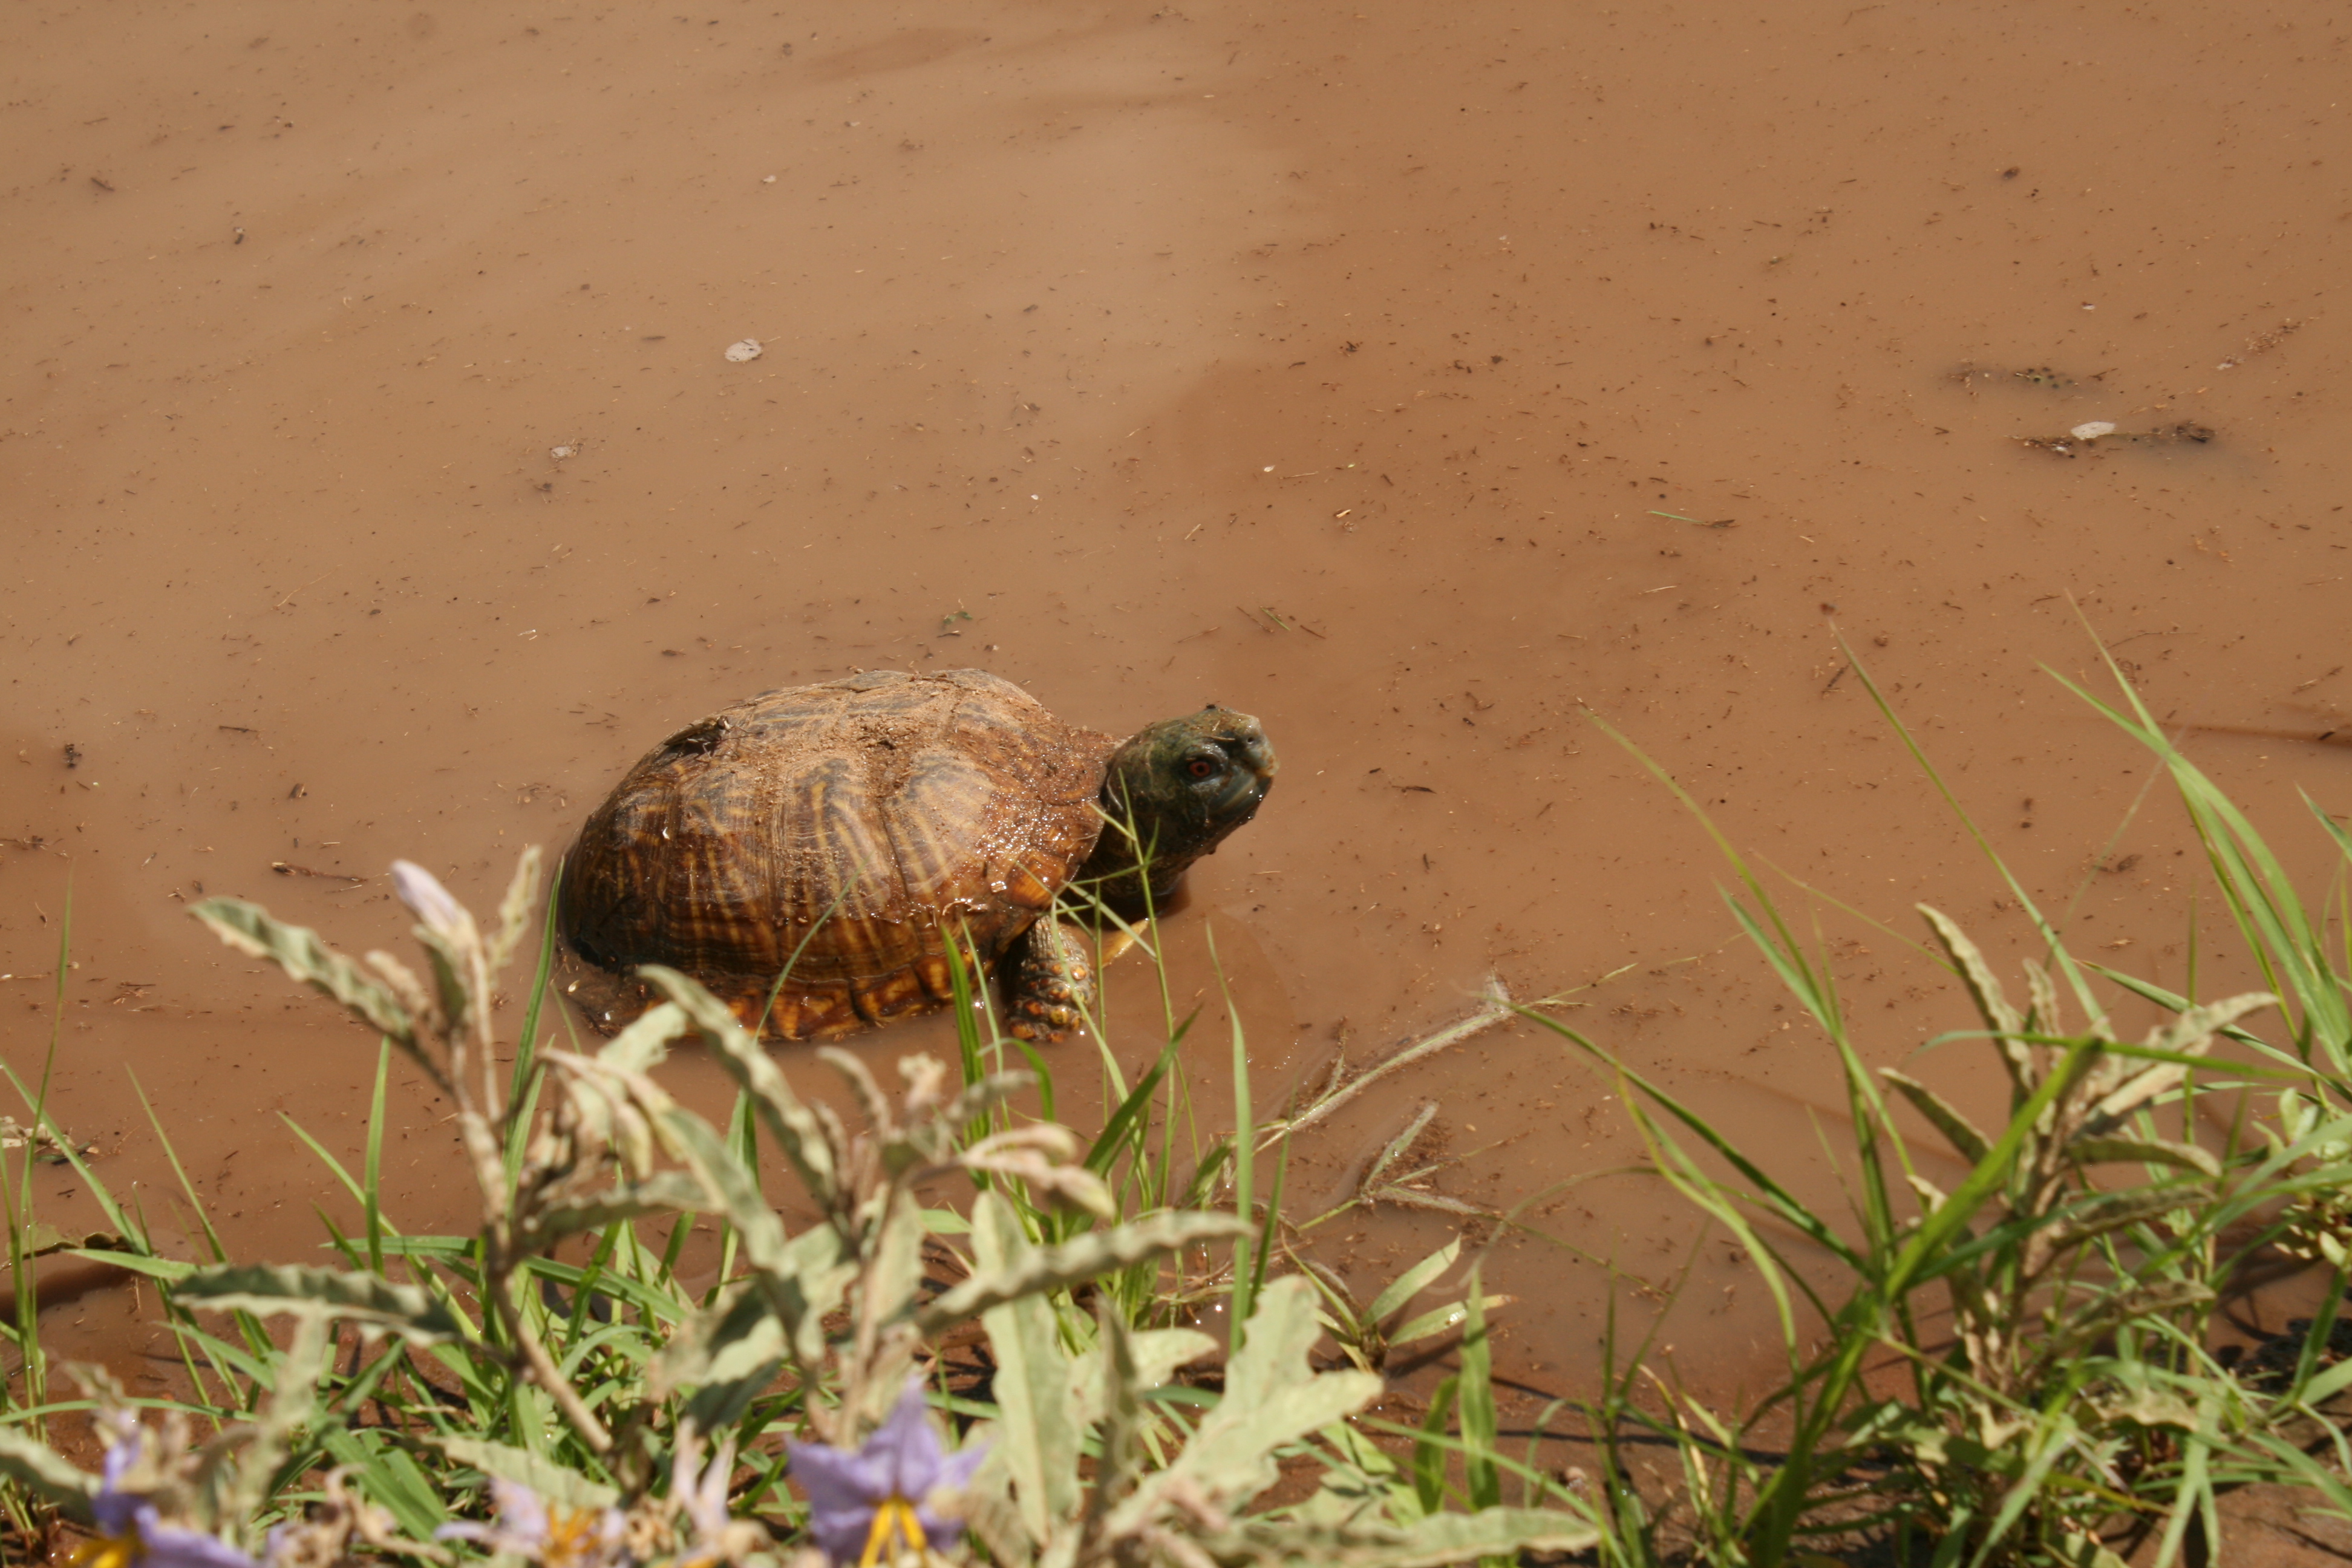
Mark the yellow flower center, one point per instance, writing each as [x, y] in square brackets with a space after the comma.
[106, 1551]
[895, 1531]
[573, 1535]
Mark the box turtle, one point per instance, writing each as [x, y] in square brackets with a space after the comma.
[863, 824]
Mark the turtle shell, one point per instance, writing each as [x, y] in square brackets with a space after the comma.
[861, 824]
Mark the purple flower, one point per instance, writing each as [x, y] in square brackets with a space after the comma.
[557, 1537]
[870, 1506]
[130, 1535]
[422, 891]
[701, 1496]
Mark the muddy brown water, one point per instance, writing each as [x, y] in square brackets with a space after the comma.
[1417, 379]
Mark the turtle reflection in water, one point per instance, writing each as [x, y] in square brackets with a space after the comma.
[851, 830]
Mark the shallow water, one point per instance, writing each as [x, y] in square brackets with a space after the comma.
[1418, 381]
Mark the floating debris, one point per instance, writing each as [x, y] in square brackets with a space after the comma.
[2085, 437]
[285, 869]
[2260, 342]
[45, 1140]
[744, 351]
[1967, 372]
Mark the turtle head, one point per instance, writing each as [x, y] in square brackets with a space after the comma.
[1171, 794]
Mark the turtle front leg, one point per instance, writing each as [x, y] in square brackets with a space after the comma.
[1049, 978]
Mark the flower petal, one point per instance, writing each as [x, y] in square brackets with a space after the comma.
[957, 1471]
[169, 1546]
[110, 1508]
[421, 890]
[908, 1445]
[844, 1490]
[522, 1512]
[835, 1477]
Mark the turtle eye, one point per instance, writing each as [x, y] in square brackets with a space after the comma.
[1201, 767]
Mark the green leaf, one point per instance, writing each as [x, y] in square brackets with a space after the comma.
[1428, 1452]
[1443, 1318]
[369, 1298]
[1413, 1281]
[1477, 1400]
[391, 1476]
[250, 928]
[1039, 1433]
[550, 1481]
[1075, 1261]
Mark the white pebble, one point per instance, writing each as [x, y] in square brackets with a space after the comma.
[2093, 430]
[749, 349]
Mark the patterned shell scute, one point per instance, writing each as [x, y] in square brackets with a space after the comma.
[905, 807]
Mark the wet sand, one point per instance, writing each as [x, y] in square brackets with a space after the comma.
[378, 486]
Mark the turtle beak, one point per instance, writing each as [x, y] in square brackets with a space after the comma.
[1243, 740]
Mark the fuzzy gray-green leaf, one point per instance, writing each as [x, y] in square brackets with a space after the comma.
[1436, 1203]
[666, 1192]
[37, 1468]
[789, 1121]
[735, 1335]
[2115, 1210]
[514, 910]
[369, 1298]
[1033, 1389]
[733, 1189]
[1957, 1130]
[553, 1482]
[1504, 1533]
[299, 951]
[1072, 1262]
[1272, 1397]
[2146, 1150]
[646, 1042]
[1999, 1016]
[1157, 1353]
[2193, 1032]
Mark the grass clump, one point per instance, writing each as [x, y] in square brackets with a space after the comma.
[1003, 1379]
[2016, 1367]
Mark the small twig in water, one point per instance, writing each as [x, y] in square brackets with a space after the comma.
[1494, 1007]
